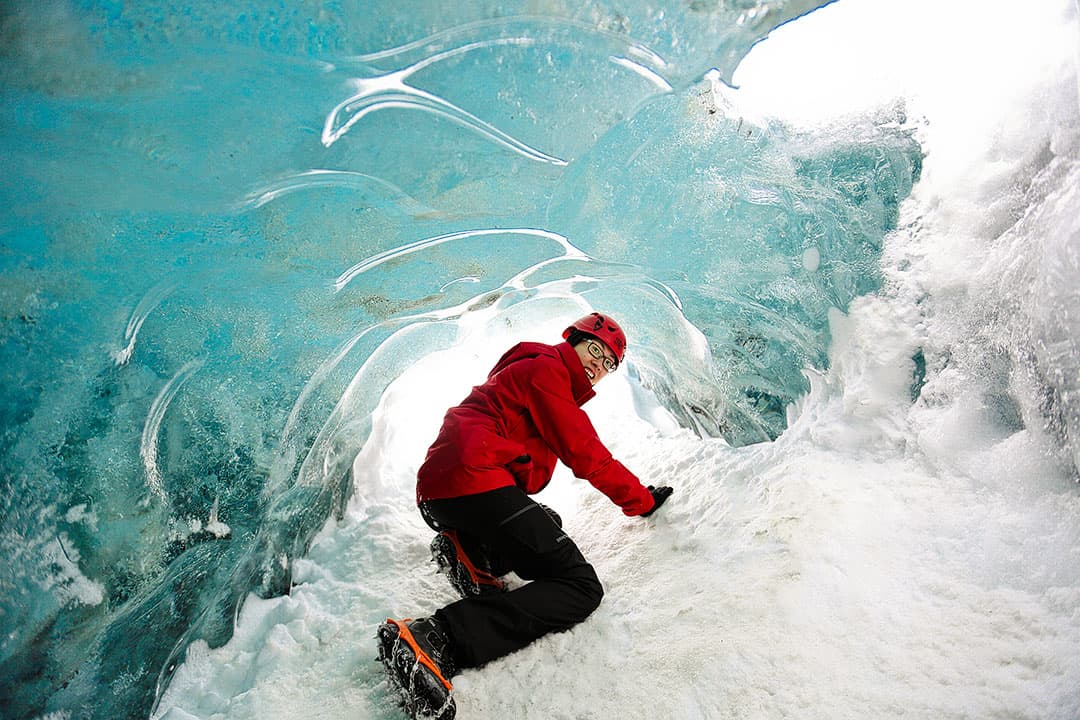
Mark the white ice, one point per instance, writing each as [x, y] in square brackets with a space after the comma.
[881, 559]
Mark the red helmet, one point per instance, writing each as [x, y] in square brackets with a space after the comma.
[603, 328]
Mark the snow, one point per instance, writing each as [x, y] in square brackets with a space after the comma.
[65, 579]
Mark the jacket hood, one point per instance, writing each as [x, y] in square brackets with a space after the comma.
[580, 386]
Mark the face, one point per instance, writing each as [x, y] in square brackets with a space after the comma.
[596, 359]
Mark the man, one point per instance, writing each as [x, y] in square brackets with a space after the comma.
[496, 448]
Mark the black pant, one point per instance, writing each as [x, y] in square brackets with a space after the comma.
[520, 536]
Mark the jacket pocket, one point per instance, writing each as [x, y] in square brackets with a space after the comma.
[521, 468]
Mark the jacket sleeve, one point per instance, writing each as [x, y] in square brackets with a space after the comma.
[568, 431]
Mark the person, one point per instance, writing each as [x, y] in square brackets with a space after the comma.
[494, 450]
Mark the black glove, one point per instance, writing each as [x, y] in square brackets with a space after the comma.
[659, 495]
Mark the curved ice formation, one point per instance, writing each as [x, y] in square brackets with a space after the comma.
[313, 179]
[387, 93]
[569, 251]
[148, 448]
[521, 25]
[153, 297]
[392, 90]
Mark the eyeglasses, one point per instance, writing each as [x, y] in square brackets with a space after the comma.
[598, 352]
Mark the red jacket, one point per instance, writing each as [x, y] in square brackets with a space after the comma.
[529, 405]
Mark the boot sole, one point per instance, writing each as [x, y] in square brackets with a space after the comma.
[425, 693]
[467, 579]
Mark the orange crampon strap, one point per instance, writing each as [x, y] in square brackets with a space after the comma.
[421, 656]
[479, 576]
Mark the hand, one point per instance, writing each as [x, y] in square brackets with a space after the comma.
[659, 494]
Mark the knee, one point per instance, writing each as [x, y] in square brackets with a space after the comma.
[590, 590]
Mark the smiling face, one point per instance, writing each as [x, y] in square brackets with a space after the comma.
[596, 358]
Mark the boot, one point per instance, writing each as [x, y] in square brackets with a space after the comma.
[419, 664]
[468, 579]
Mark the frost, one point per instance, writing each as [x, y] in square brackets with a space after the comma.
[65, 579]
